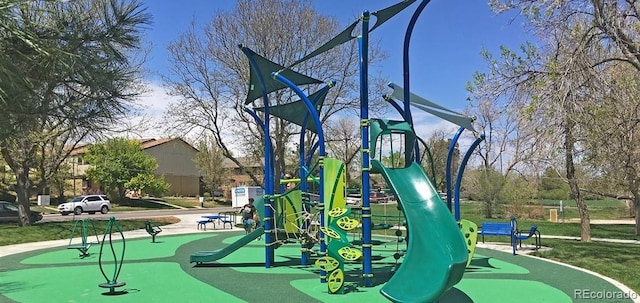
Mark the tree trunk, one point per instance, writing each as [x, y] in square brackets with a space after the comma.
[637, 207]
[22, 191]
[636, 211]
[488, 212]
[569, 142]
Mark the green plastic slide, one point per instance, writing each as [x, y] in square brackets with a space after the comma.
[436, 255]
[210, 256]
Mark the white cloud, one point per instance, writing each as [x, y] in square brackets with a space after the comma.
[155, 100]
[147, 121]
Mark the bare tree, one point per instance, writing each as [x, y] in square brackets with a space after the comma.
[613, 146]
[210, 161]
[438, 145]
[512, 143]
[210, 74]
[589, 36]
[343, 140]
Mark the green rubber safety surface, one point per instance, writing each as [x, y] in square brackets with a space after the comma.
[484, 264]
[80, 284]
[135, 250]
[241, 277]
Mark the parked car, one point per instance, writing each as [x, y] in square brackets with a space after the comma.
[379, 197]
[9, 213]
[374, 197]
[353, 199]
[86, 204]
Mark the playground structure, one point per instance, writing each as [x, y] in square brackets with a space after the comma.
[86, 228]
[117, 259]
[83, 228]
[441, 238]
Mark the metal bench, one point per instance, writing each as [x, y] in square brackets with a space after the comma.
[533, 233]
[498, 229]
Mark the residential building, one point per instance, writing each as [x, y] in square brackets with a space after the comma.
[175, 159]
[238, 177]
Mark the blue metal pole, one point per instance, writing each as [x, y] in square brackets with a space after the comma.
[405, 59]
[363, 46]
[321, 144]
[253, 114]
[268, 168]
[304, 258]
[463, 164]
[405, 68]
[396, 106]
[447, 169]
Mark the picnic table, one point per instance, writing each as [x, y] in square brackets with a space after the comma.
[216, 218]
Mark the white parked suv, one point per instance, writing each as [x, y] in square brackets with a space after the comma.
[87, 204]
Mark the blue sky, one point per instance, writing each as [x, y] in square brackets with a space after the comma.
[444, 52]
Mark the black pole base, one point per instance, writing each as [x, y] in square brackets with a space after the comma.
[112, 288]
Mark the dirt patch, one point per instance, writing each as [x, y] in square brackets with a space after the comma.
[161, 220]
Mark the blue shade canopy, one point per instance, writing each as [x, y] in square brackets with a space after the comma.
[262, 70]
[296, 112]
[433, 108]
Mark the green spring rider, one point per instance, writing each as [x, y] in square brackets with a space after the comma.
[112, 282]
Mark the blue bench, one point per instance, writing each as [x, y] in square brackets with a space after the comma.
[510, 229]
[498, 229]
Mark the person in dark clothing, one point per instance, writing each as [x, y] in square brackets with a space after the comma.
[248, 212]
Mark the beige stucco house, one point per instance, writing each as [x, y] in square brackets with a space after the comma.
[175, 159]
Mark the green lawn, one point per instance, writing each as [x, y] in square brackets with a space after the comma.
[12, 234]
[617, 261]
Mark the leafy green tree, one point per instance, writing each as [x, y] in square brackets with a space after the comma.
[119, 162]
[492, 184]
[68, 73]
[148, 184]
